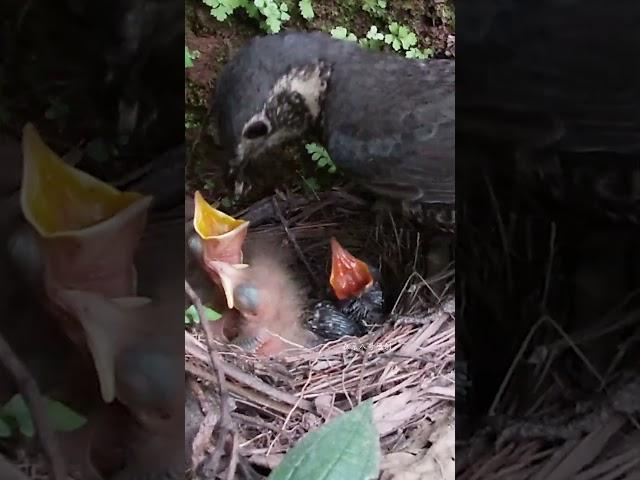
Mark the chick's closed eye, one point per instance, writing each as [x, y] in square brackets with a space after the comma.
[247, 298]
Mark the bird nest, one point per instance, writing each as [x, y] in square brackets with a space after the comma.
[405, 366]
[597, 439]
[542, 426]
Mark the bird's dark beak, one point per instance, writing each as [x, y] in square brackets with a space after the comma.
[236, 174]
[350, 277]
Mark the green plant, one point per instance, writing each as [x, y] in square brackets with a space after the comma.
[191, 315]
[310, 184]
[227, 202]
[373, 40]
[275, 15]
[418, 54]
[374, 7]
[321, 157]
[306, 9]
[342, 33]
[15, 413]
[346, 447]
[190, 120]
[190, 56]
[446, 13]
[221, 9]
[400, 37]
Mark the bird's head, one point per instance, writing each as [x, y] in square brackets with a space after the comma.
[219, 236]
[265, 291]
[88, 231]
[256, 108]
[350, 276]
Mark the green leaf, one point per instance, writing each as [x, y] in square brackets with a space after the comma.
[306, 9]
[409, 41]
[374, 34]
[191, 315]
[62, 417]
[339, 33]
[311, 183]
[274, 25]
[220, 13]
[346, 447]
[5, 429]
[188, 61]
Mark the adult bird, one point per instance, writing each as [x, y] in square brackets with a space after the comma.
[534, 80]
[387, 121]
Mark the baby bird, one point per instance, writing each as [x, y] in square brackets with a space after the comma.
[268, 300]
[359, 295]
[221, 236]
[211, 235]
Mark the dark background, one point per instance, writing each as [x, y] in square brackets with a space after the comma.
[106, 79]
[548, 201]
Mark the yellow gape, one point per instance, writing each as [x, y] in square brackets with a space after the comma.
[57, 198]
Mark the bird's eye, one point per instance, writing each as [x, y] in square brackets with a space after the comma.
[247, 298]
[255, 130]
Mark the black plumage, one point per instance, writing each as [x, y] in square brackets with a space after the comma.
[350, 317]
[387, 121]
[539, 79]
[359, 300]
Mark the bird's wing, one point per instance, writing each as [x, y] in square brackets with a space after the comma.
[390, 123]
[535, 73]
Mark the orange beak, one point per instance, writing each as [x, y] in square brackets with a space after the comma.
[222, 235]
[350, 277]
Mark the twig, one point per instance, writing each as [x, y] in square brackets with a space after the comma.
[32, 396]
[225, 422]
[254, 382]
[233, 462]
[242, 393]
[365, 357]
[292, 239]
[286, 420]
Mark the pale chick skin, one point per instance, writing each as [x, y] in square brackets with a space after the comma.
[269, 301]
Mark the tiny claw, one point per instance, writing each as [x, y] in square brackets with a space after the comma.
[249, 344]
[350, 277]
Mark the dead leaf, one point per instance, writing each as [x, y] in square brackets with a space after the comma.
[392, 412]
[435, 463]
